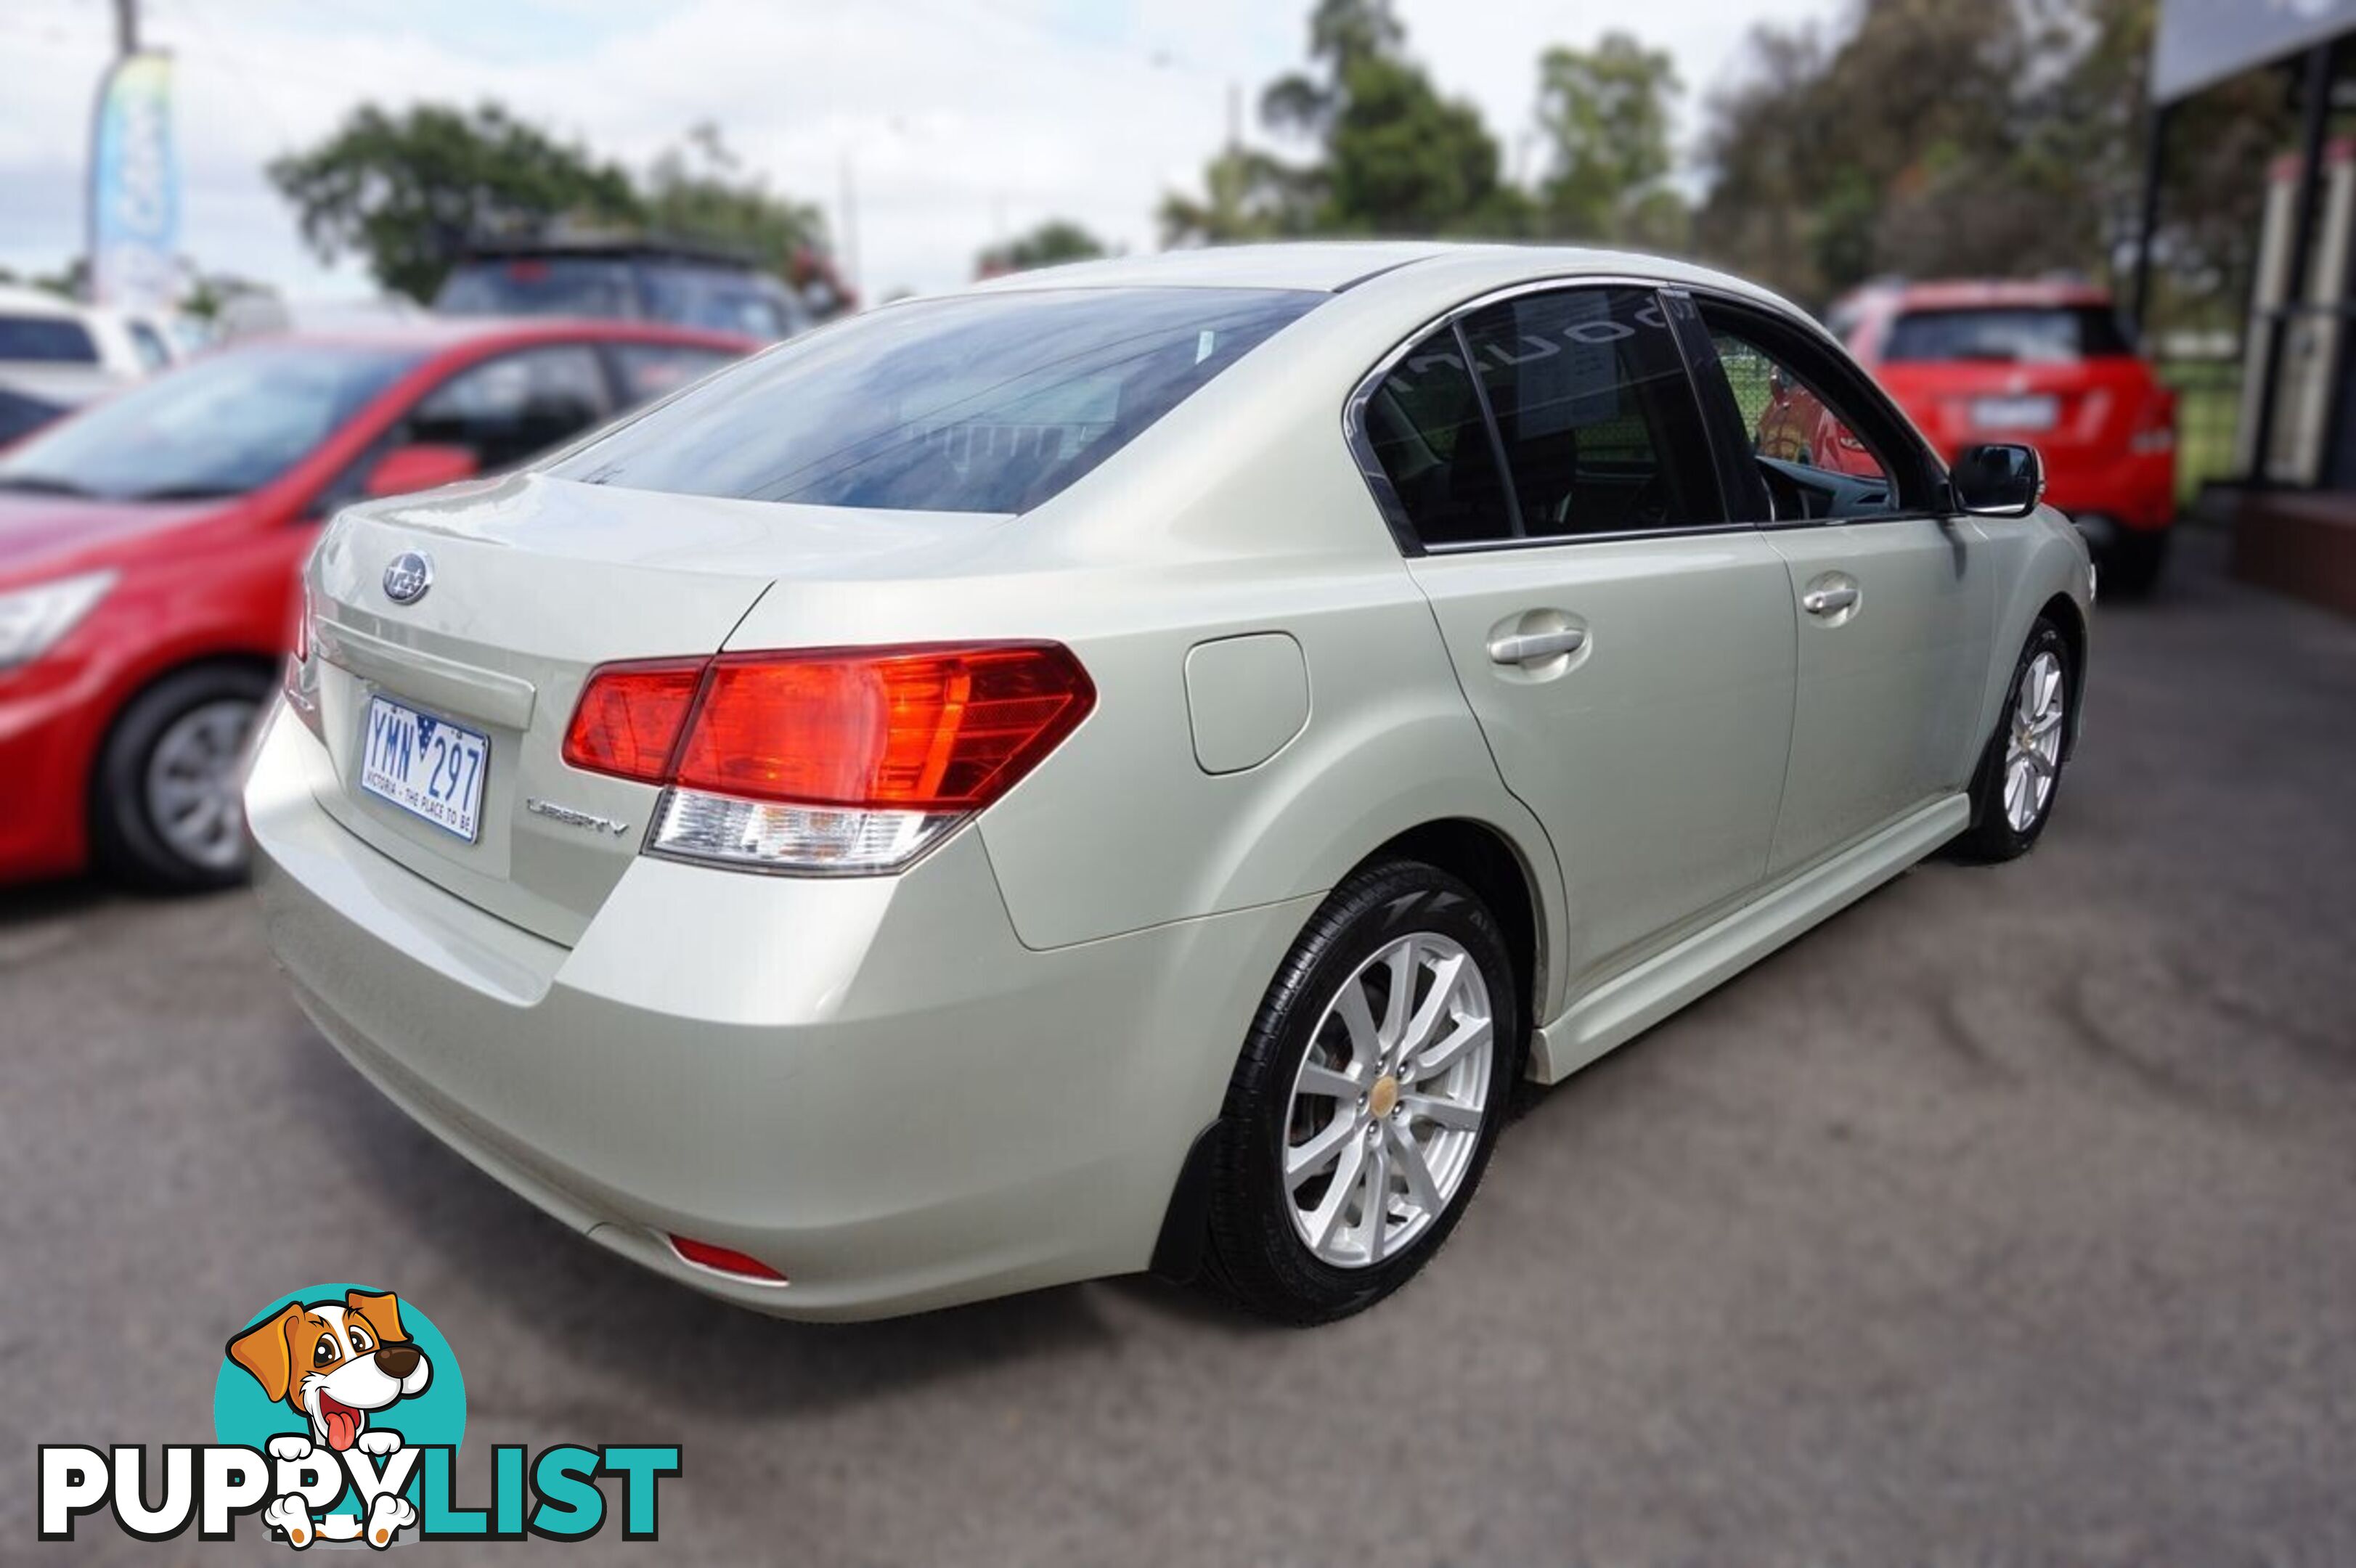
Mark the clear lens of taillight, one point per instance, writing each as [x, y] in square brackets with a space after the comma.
[843, 761]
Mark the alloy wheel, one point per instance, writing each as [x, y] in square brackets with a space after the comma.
[2033, 752]
[191, 783]
[1386, 1111]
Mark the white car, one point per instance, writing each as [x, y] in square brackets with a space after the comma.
[66, 354]
[1125, 766]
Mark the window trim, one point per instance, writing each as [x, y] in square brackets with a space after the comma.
[1394, 512]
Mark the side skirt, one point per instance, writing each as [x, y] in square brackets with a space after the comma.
[1626, 1005]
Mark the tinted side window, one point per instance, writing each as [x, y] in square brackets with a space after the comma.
[149, 345]
[50, 339]
[509, 408]
[1427, 429]
[1595, 413]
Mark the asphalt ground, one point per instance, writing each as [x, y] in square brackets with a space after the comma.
[2011, 1217]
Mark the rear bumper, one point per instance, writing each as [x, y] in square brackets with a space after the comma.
[868, 1083]
[2135, 491]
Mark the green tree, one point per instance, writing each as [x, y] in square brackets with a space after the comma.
[1057, 239]
[1393, 156]
[1248, 196]
[406, 191]
[1604, 116]
[701, 191]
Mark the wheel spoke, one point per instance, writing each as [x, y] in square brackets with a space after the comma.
[1358, 1018]
[1408, 1156]
[1319, 1223]
[1306, 1159]
[1326, 1083]
[1420, 1027]
[1471, 1034]
[1375, 1208]
[1445, 1113]
[1403, 968]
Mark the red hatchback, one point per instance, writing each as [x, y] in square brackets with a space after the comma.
[2045, 363]
[148, 548]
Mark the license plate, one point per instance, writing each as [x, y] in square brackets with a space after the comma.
[2013, 414]
[427, 766]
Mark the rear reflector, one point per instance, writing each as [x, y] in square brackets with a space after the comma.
[830, 761]
[725, 1259]
[630, 715]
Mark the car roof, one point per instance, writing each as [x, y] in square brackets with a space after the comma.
[1967, 293]
[440, 333]
[19, 301]
[1335, 266]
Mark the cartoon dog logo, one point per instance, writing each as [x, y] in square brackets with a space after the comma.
[334, 1363]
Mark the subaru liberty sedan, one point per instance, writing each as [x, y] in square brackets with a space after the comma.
[1127, 766]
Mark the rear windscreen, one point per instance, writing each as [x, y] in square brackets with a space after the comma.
[2011, 335]
[539, 285]
[987, 402]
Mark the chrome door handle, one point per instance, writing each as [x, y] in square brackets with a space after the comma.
[1528, 648]
[1824, 601]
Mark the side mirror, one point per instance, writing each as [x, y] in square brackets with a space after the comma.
[420, 467]
[1776, 385]
[1999, 481]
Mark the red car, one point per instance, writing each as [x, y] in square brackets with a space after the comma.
[148, 548]
[2047, 363]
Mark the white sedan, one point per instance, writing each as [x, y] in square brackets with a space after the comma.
[1126, 766]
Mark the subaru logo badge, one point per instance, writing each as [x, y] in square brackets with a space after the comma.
[408, 578]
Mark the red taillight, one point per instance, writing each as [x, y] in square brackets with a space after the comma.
[945, 729]
[838, 759]
[629, 716]
[726, 1260]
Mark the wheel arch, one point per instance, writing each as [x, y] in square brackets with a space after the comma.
[1486, 860]
[2063, 612]
[94, 781]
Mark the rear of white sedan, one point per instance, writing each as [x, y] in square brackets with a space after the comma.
[1092, 774]
[705, 834]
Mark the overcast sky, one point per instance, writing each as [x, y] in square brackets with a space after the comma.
[959, 121]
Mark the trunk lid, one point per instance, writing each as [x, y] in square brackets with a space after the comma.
[2085, 408]
[534, 582]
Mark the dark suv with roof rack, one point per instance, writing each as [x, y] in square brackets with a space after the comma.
[632, 280]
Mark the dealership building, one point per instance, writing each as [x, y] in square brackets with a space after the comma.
[2294, 507]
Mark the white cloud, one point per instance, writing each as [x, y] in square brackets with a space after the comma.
[957, 120]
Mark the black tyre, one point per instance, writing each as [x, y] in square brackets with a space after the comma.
[1368, 1098]
[2019, 774]
[165, 812]
[2133, 560]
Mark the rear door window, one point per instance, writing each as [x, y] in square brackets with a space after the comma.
[1594, 413]
[988, 402]
[1546, 416]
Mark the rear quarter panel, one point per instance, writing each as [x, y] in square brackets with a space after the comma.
[1240, 512]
